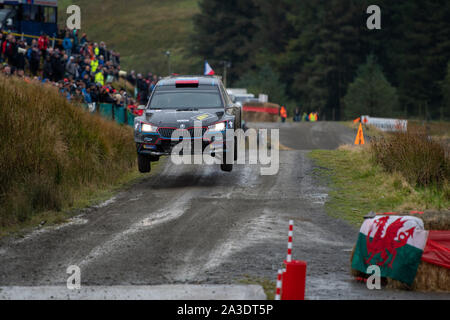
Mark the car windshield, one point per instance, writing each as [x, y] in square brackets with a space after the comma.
[186, 100]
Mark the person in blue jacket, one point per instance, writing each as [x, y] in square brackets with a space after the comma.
[67, 45]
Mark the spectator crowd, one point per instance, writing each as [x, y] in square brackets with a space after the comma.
[82, 70]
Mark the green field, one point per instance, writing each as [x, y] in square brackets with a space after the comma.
[142, 31]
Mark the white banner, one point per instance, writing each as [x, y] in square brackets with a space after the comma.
[384, 124]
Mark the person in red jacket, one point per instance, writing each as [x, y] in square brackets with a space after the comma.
[43, 44]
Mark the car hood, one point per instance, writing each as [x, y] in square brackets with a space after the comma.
[183, 119]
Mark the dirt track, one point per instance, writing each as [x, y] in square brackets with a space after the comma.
[196, 224]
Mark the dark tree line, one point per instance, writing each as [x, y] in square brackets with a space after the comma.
[316, 48]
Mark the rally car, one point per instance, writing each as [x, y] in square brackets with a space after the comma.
[179, 104]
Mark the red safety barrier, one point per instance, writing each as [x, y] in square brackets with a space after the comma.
[437, 250]
[259, 109]
[294, 281]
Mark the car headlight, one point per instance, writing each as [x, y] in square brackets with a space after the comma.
[145, 127]
[217, 127]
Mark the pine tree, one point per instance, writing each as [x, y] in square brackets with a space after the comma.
[224, 31]
[265, 81]
[370, 94]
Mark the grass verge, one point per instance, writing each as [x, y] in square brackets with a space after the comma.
[359, 186]
[267, 285]
[54, 156]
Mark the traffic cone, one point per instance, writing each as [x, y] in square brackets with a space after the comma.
[360, 136]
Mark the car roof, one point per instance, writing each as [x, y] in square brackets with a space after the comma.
[202, 80]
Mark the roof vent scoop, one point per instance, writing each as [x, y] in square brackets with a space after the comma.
[186, 83]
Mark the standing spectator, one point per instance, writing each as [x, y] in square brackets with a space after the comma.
[305, 117]
[83, 39]
[35, 59]
[2, 39]
[75, 40]
[283, 114]
[48, 69]
[9, 48]
[99, 76]
[297, 117]
[72, 68]
[43, 44]
[94, 65]
[67, 44]
[20, 57]
[132, 78]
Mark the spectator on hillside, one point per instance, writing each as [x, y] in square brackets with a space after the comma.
[72, 68]
[131, 78]
[67, 44]
[48, 68]
[105, 96]
[100, 77]
[43, 44]
[20, 55]
[83, 39]
[35, 58]
[2, 39]
[9, 49]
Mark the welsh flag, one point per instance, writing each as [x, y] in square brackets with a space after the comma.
[394, 243]
[208, 70]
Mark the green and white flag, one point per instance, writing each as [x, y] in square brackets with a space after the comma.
[394, 243]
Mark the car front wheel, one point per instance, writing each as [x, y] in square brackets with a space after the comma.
[226, 167]
[144, 164]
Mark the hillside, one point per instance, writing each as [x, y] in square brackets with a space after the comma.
[53, 154]
[142, 31]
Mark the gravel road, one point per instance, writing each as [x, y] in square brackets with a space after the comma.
[198, 225]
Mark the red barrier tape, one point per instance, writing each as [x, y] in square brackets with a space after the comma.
[258, 109]
[437, 250]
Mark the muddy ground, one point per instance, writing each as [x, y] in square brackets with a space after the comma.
[196, 224]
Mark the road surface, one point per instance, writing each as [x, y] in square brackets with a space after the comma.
[198, 225]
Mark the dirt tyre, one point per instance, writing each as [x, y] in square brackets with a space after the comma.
[144, 164]
[226, 167]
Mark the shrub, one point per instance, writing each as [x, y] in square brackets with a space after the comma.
[421, 160]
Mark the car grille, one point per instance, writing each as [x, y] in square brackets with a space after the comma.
[167, 132]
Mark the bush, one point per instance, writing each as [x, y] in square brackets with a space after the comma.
[51, 150]
[421, 160]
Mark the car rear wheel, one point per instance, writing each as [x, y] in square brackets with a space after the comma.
[226, 167]
[144, 164]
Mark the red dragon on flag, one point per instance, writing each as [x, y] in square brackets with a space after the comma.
[393, 243]
[387, 245]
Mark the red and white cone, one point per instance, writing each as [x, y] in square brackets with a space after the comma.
[279, 283]
[291, 233]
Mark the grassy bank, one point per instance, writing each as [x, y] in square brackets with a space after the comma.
[359, 185]
[142, 31]
[55, 156]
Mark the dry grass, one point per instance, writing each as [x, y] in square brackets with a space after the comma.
[429, 278]
[422, 161]
[51, 151]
